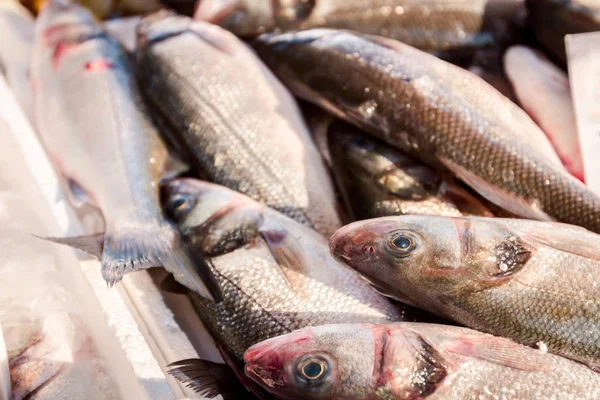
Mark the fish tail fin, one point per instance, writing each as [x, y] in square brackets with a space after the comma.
[157, 246]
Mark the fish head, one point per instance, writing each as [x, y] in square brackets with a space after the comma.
[249, 18]
[401, 257]
[425, 261]
[242, 17]
[213, 217]
[313, 362]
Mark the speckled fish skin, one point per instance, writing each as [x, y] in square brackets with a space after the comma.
[551, 20]
[413, 361]
[544, 92]
[534, 282]
[276, 275]
[438, 112]
[378, 180]
[429, 25]
[242, 126]
[93, 123]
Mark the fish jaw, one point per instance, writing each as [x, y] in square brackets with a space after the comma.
[357, 244]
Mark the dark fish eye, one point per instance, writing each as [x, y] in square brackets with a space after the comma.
[313, 370]
[402, 242]
[362, 143]
[179, 203]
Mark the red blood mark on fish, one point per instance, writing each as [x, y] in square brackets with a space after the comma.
[59, 52]
[98, 65]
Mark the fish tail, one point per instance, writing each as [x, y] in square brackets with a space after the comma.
[128, 251]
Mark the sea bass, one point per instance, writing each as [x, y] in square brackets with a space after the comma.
[436, 111]
[378, 180]
[534, 282]
[244, 129]
[429, 25]
[276, 275]
[95, 127]
[552, 20]
[412, 361]
[543, 91]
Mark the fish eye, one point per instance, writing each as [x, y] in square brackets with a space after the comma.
[313, 370]
[362, 143]
[180, 203]
[402, 243]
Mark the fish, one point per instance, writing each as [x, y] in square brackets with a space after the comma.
[434, 111]
[378, 180]
[276, 275]
[552, 20]
[434, 25]
[242, 127]
[487, 64]
[95, 127]
[544, 92]
[410, 360]
[16, 30]
[531, 281]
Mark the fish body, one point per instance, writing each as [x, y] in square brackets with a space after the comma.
[16, 31]
[276, 275]
[378, 180]
[432, 25]
[543, 91]
[437, 112]
[411, 361]
[552, 20]
[244, 129]
[533, 282]
[95, 127]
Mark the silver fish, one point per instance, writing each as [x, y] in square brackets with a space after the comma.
[241, 126]
[412, 361]
[95, 127]
[438, 112]
[275, 274]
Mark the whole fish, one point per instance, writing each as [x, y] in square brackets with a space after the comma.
[276, 275]
[244, 129]
[543, 91]
[93, 123]
[412, 361]
[534, 282]
[16, 31]
[552, 20]
[436, 111]
[429, 25]
[378, 180]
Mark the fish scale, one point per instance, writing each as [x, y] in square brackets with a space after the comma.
[533, 282]
[244, 130]
[437, 112]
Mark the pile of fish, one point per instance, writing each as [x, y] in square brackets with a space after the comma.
[232, 146]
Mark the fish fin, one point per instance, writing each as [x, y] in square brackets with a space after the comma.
[5, 383]
[496, 350]
[170, 285]
[463, 200]
[498, 196]
[288, 254]
[208, 378]
[134, 250]
[581, 243]
[90, 244]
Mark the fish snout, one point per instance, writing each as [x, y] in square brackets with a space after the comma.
[353, 244]
[264, 365]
